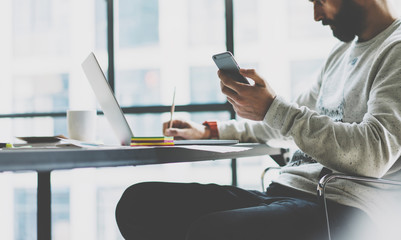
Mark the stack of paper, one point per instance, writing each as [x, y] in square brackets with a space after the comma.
[152, 141]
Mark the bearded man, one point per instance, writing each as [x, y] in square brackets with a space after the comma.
[348, 122]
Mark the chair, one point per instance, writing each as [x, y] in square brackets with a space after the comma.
[321, 188]
[264, 175]
[326, 179]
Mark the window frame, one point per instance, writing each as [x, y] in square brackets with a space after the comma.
[190, 108]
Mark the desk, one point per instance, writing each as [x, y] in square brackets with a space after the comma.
[44, 161]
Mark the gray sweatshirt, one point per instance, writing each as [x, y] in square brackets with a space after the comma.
[349, 122]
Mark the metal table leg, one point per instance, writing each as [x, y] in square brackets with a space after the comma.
[44, 206]
[234, 174]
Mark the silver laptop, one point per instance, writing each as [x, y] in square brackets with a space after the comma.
[112, 109]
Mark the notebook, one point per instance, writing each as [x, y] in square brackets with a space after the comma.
[112, 109]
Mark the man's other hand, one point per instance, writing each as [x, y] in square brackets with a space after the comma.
[186, 130]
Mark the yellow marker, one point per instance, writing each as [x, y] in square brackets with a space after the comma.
[6, 145]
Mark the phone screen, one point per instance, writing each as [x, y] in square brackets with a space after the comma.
[225, 62]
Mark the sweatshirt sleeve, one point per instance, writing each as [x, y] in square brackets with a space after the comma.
[368, 148]
[247, 131]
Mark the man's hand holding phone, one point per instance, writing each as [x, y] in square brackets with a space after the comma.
[249, 101]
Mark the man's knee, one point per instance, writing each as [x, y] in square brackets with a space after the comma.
[132, 195]
[132, 205]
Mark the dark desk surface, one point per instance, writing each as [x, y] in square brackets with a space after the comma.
[57, 159]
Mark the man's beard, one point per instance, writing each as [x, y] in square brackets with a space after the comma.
[348, 22]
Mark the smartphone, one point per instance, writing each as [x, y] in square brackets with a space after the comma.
[225, 62]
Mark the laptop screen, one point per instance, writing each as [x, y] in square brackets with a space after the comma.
[107, 100]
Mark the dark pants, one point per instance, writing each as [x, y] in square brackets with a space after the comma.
[178, 211]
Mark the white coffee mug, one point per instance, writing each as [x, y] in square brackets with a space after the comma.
[81, 125]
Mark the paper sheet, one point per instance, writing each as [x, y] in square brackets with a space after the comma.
[217, 148]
